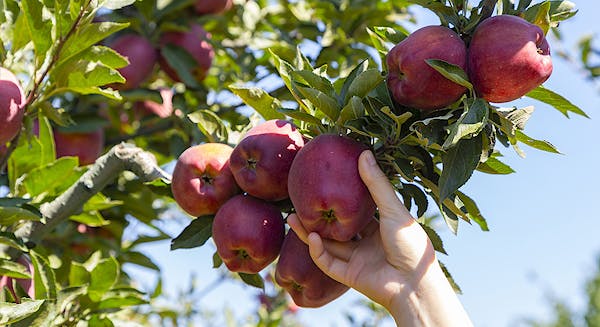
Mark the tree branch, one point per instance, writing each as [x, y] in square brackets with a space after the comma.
[121, 157]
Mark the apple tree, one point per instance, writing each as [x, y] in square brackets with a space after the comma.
[124, 113]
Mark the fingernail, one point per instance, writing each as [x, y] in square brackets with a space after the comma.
[370, 159]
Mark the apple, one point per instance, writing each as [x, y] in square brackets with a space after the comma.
[12, 101]
[87, 146]
[296, 272]
[203, 7]
[248, 233]
[508, 57]
[261, 161]
[26, 284]
[142, 57]
[326, 190]
[202, 180]
[194, 41]
[412, 82]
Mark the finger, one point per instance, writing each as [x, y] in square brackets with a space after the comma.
[342, 250]
[297, 227]
[331, 265]
[381, 189]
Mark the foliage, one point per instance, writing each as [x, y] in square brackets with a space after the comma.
[317, 63]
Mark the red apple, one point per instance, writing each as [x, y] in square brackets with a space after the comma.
[296, 272]
[26, 284]
[326, 189]
[87, 146]
[203, 7]
[261, 161]
[202, 181]
[12, 100]
[508, 57]
[412, 82]
[248, 233]
[194, 41]
[142, 57]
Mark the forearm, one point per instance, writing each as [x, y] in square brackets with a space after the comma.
[431, 301]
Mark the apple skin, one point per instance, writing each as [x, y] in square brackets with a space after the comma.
[326, 190]
[26, 284]
[248, 233]
[142, 57]
[412, 82]
[202, 180]
[260, 162]
[12, 101]
[204, 7]
[296, 272]
[194, 41]
[87, 146]
[508, 57]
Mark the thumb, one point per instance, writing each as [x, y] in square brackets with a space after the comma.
[381, 189]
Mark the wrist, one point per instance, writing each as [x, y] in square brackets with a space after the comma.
[428, 300]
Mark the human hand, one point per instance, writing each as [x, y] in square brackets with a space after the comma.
[392, 261]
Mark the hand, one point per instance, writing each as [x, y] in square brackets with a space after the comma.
[392, 261]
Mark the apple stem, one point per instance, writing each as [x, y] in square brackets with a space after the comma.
[121, 157]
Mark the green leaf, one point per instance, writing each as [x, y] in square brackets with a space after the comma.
[364, 83]
[359, 69]
[435, 239]
[11, 240]
[253, 280]
[494, 166]
[87, 36]
[11, 215]
[353, 110]
[451, 72]
[210, 124]
[217, 261]
[122, 297]
[48, 152]
[39, 25]
[182, 62]
[470, 123]
[27, 156]
[555, 100]
[537, 144]
[139, 259]
[301, 116]
[78, 274]
[13, 269]
[102, 278]
[43, 277]
[322, 102]
[412, 192]
[389, 34]
[195, 234]
[314, 81]
[13, 312]
[450, 279]
[45, 180]
[459, 163]
[90, 218]
[473, 211]
[260, 100]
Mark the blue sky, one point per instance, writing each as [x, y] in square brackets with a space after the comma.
[544, 222]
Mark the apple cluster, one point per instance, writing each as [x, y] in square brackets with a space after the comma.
[244, 186]
[506, 58]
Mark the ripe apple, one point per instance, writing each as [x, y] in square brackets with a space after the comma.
[12, 100]
[248, 233]
[203, 7]
[202, 181]
[142, 57]
[296, 272]
[87, 146]
[261, 161]
[194, 41]
[508, 57]
[412, 82]
[26, 284]
[326, 190]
